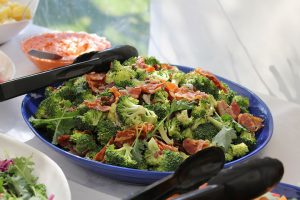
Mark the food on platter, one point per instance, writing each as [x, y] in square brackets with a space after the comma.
[271, 196]
[146, 115]
[11, 11]
[18, 182]
[68, 45]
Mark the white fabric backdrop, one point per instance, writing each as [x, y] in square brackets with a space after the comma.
[252, 42]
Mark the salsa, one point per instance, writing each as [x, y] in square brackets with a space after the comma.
[69, 45]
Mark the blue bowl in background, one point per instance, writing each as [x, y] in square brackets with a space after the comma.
[289, 191]
[257, 107]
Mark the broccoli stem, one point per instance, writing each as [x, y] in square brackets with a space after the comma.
[56, 119]
[215, 122]
[158, 125]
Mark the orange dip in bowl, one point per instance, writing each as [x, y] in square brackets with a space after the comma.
[69, 45]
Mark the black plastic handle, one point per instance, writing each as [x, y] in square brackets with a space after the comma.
[94, 61]
[245, 181]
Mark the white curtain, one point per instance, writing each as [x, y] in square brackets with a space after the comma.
[255, 43]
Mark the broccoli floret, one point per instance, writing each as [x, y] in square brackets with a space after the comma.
[236, 151]
[106, 129]
[204, 109]
[248, 138]
[52, 107]
[187, 133]
[239, 150]
[131, 61]
[121, 157]
[49, 91]
[177, 77]
[75, 90]
[151, 153]
[243, 103]
[201, 83]
[170, 160]
[151, 61]
[160, 109]
[89, 120]
[228, 121]
[161, 75]
[206, 131]
[91, 154]
[228, 156]
[130, 113]
[162, 161]
[173, 127]
[174, 107]
[160, 96]
[82, 142]
[112, 113]
[141, 74]
[120, 75]
[226, 96]
[163, 133]
[184, 119]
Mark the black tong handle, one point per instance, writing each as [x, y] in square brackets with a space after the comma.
[95, 61]
[244, 181]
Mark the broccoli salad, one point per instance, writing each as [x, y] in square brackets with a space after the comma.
[17, 181]
[146, 115]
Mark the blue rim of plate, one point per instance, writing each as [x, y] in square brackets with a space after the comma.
[289, 191]
[153, 175]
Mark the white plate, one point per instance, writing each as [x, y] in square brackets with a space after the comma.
[7, 68]
[47, 170]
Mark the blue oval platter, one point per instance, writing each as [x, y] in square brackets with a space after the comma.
[257, 107]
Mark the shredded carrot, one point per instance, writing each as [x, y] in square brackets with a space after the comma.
[150, 69]
[171, 86]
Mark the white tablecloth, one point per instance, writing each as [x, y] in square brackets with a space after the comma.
[89, 185]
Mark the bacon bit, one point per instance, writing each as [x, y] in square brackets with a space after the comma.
[162, 146]
[223, 108]
[95, 81]
[100, 155]
[250, 122]
[167, 66]
[188, 94]
[126, 136]
[115, 91]
[151, 87]
[150, 69]
[235, 109]
[107, 101]
[134, 91]
[193, 146]
[129, 135]
[144, 128]
[140, 62]
[96, 105]
[64, 141]
[213, 78]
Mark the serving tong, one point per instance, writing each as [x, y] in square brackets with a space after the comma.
[243, 181]
[85, 63]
